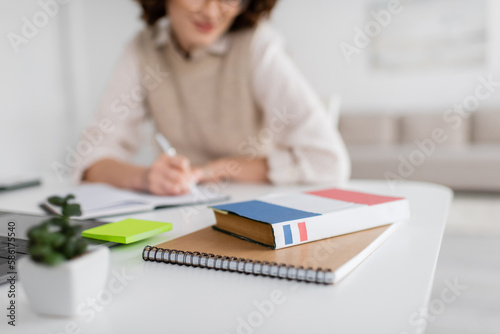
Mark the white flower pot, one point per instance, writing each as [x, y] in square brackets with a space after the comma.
[64, 289]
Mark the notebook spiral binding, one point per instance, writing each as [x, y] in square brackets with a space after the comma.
[240, 265]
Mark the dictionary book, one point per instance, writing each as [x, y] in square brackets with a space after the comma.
[283, 220]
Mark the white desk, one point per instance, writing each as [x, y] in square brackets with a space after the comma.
[385, 294]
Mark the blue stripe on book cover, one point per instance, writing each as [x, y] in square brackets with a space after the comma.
[265, 212]
[287, 232]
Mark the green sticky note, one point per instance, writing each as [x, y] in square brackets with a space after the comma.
[127, 231]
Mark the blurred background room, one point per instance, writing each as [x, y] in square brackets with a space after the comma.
[414, 87]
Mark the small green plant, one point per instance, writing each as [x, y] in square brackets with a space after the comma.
[55, 240]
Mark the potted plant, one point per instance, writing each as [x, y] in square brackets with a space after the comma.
[60, 274]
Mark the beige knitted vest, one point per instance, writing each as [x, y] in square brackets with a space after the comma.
[205, 106]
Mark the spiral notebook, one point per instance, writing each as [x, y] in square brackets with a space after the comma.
[325, 261]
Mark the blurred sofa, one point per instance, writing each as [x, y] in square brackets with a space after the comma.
[459, 151]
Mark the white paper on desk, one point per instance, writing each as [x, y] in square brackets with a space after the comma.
[100, 200]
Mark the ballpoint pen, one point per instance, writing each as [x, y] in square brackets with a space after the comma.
[171, 152]
[165, 145]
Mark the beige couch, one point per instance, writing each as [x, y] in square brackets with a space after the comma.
[462, 152]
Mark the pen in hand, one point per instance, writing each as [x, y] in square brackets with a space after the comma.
[165, 145]
[171, 152]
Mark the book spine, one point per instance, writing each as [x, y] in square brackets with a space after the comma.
[296, 232]
[240, 265]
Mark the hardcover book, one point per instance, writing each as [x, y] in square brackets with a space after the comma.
[279, 221]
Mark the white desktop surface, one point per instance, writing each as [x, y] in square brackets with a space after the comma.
[386, 294]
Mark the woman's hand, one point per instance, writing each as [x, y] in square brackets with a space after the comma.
[171, 176]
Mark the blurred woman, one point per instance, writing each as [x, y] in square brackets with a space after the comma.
[215, 79]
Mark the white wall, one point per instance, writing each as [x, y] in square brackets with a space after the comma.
[99, 31]
[30, 92]
[316, 28]
[50, 89]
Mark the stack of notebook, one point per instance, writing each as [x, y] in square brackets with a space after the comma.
[315, 236]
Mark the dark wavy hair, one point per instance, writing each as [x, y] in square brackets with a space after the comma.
[153, 10]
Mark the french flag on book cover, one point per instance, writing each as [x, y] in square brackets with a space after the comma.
[303, 217]
[299, 232]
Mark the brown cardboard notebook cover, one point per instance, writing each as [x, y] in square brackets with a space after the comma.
[323, 261]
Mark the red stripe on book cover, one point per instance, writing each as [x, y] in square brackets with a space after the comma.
[302, 231]
[354, 197]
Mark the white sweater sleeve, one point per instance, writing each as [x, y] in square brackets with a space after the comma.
[307, 148]
[116, 129]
